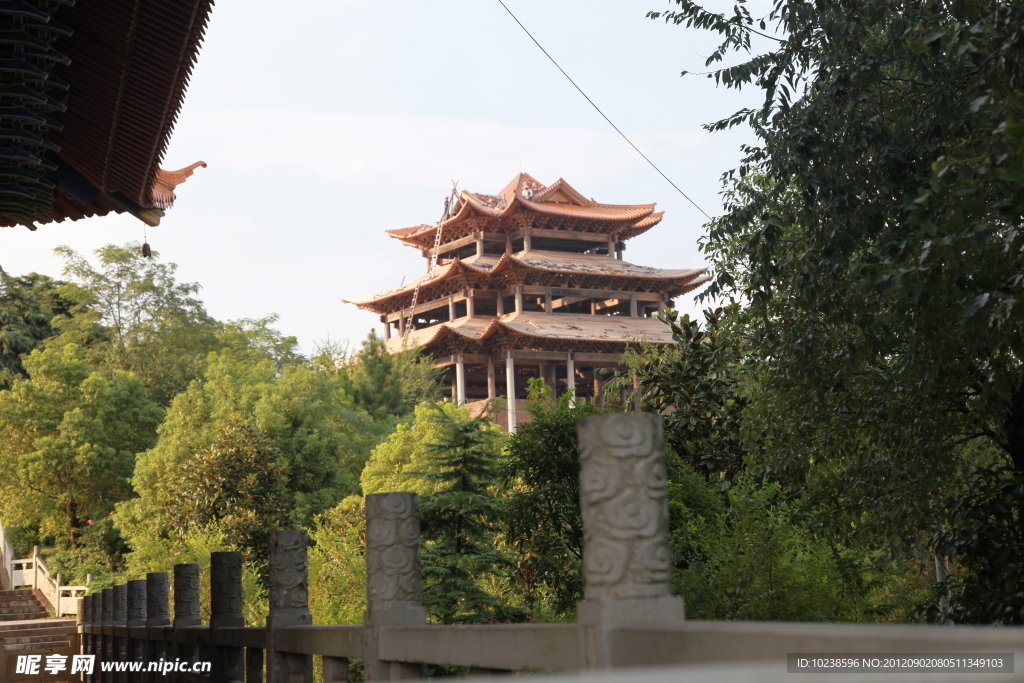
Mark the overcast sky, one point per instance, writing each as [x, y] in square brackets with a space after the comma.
[330, 122]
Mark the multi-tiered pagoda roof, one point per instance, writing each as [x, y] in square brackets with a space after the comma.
[532, 276]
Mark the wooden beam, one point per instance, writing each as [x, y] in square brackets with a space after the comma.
[563, 235]
[547, 300]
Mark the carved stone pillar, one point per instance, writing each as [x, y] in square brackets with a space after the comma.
[624, 504]
[135, 648]
[186, 610]
[289, 603]
[186, 595]
[120, 644]
[107, 639]
[157, 616]
[107, 607]
[157, 606]
[392, 577]
[226, 611]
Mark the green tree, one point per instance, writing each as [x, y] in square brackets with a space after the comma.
[879, 244]
[459, 524]
[385, 384]
[695, 385]
[28, 306]
[306, 414]
[541, 521]
[238, 486]
[399, 462]
[337, 564]
[68, 438]
[152, 325]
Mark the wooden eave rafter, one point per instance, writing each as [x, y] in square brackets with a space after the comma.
[125, 66]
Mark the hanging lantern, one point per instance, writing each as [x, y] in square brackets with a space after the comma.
[146, 252]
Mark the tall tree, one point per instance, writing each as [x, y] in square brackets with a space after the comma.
[68, 438]
[540, 474]
[28, 306]
[875, 229]
[460, 524]
[238, 487]
[154, 325]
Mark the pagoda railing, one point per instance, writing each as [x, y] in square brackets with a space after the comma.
[628, 620]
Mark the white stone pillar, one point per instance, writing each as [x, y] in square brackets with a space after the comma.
[470, 304]
[519, 298]
[510, 389]
[547, 300]
[570, 376]
[451, 308]
[632, 305]
[627, 564]
[492, 389]
[460, 381]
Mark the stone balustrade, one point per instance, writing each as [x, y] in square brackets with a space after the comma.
[628, 617]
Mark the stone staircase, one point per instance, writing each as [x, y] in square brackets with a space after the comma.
[22, 610]
[21, 605]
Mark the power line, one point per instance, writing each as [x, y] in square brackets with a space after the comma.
[598, 109]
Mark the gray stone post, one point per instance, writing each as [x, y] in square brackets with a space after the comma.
[120, 647]
[289, 604]
[624, 504]
[392, 577]
[136, 647]
[226, 611]
[86, 615]
[157, 617]
[106, 642]
[186, 611]
[186, 595]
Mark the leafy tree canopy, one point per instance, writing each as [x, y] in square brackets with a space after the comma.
[875, 230]
[68, 438]
[28, 306]
[137, 317]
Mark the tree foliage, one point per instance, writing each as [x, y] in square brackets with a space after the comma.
[237, 487]
[540, 474]
[875, 231]
[139, 318]
[28, 306]
[459, 524]
[694, 384]
[68, 438]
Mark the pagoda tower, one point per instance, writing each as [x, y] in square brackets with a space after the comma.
[528, 283]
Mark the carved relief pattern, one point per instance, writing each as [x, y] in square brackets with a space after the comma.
[289, 570]
[137, 602]
[186, 591]
[120, 603]
[157, 607]
[624, 505]
[393, 547]
[226, 584]
[107, 605]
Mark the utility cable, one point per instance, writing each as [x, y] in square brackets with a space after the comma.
[598, 109]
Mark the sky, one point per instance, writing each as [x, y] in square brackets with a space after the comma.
[331, 122]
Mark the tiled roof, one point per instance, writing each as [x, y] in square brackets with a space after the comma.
[125, 65]
[525, 193]
[570, 327]
[547, 261]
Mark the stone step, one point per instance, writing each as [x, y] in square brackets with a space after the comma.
[37, 646]
[37, 623]
[24, 616]
[28, 640]
[19, 604]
